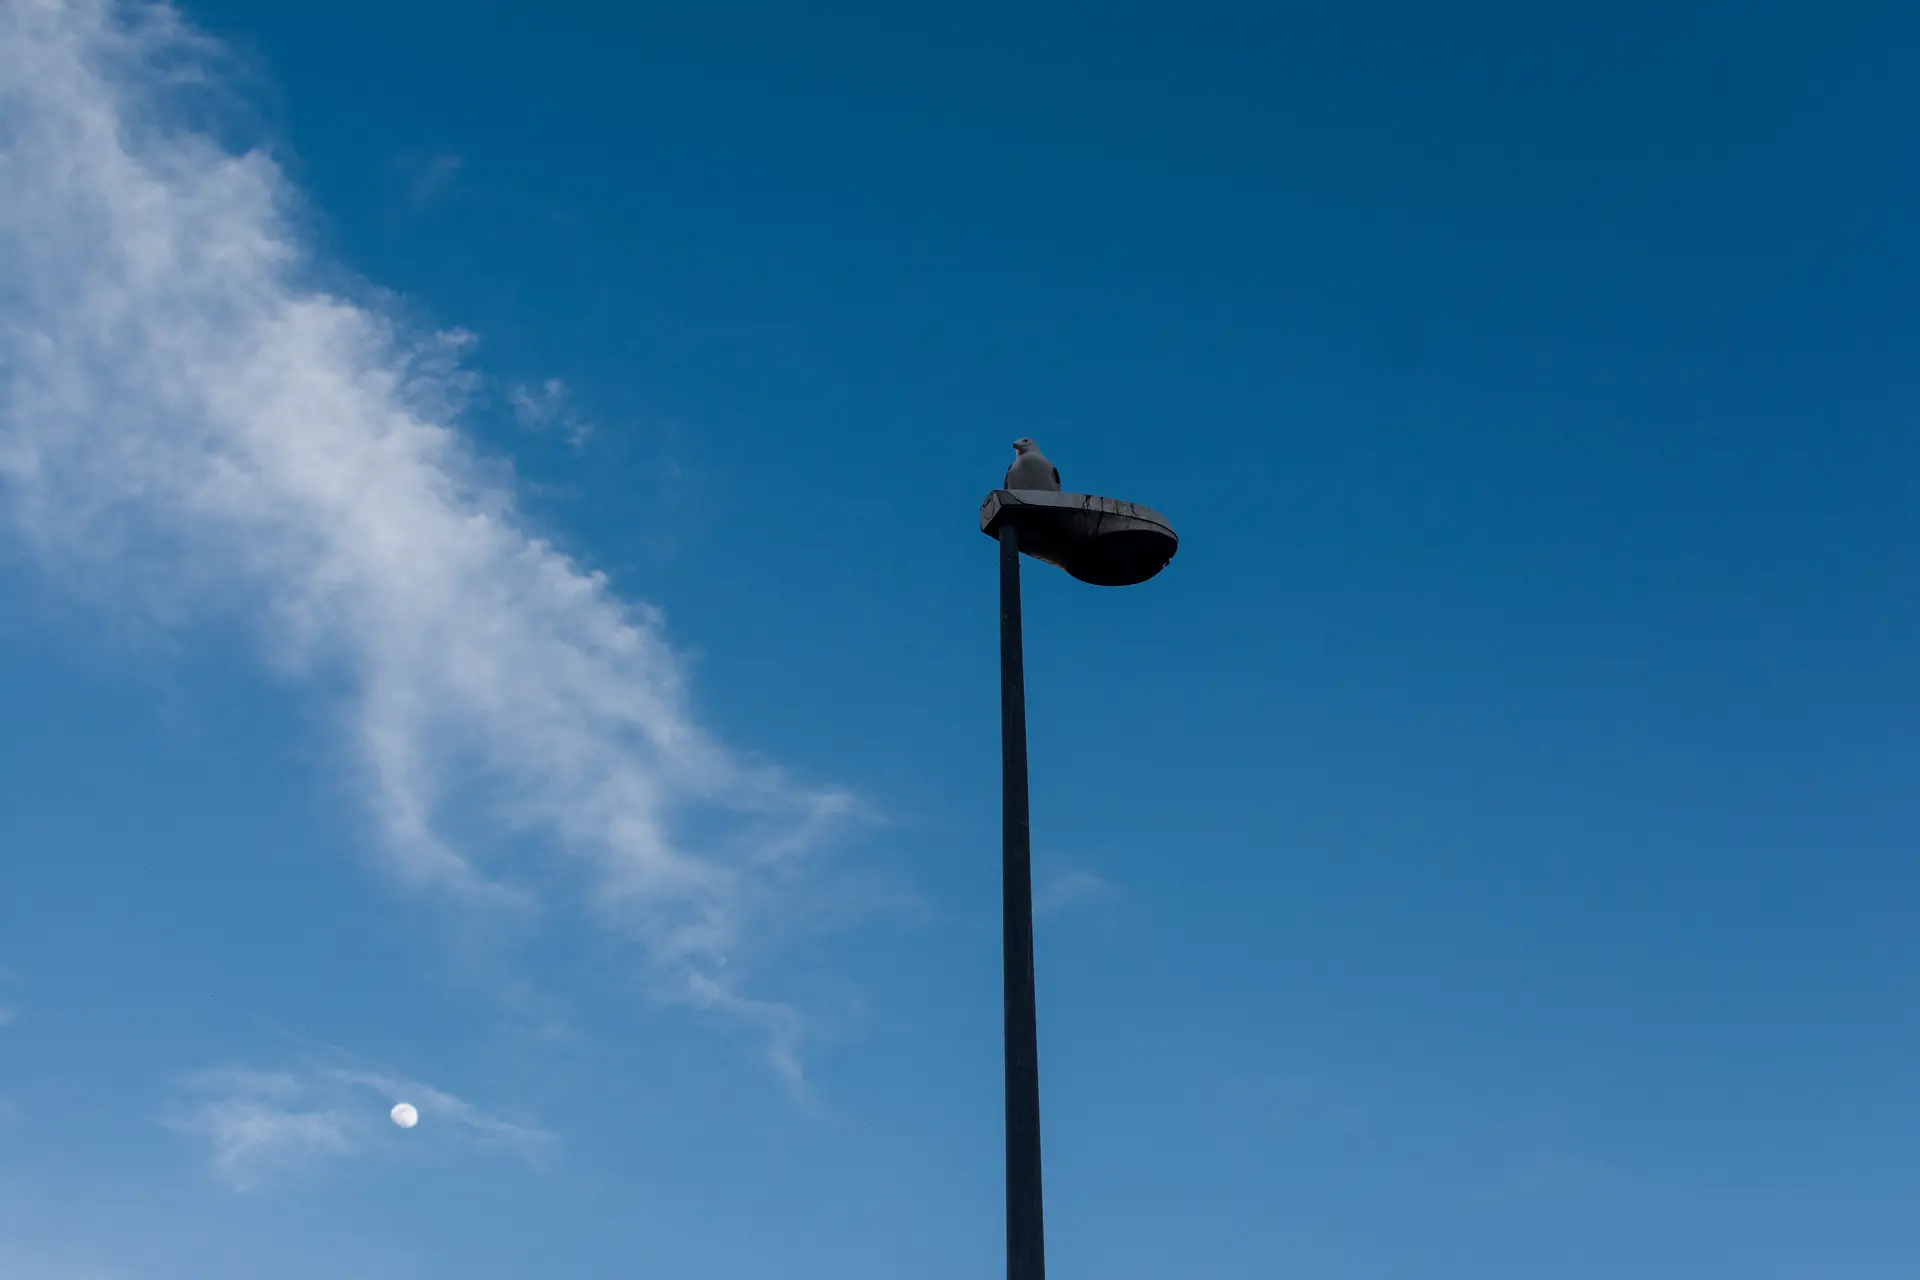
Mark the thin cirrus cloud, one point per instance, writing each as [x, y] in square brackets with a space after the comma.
[549, 407]
[428, 177]
[195, 432]
[1063, 888]
[263, 1129]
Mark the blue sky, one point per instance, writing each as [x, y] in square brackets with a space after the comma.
[494, 616]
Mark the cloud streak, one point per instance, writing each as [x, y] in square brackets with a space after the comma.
[549, 407]
[192, 428]
[265, 1128]
[1063, 888]
[428, 177]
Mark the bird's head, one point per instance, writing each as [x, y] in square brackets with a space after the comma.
[1025, 444]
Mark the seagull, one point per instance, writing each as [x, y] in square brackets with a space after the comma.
[1030, 469]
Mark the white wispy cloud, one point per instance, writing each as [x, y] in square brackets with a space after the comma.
[549, 407]
[193, 429]
[427, 176]
[1058, 888]
[264, 1128]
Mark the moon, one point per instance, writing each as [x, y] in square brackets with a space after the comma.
[404, 1115]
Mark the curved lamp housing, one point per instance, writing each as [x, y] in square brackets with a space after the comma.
[1103, 541]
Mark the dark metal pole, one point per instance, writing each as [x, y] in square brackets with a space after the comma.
[1026, 1239]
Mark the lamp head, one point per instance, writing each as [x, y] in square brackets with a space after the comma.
[1101, 541]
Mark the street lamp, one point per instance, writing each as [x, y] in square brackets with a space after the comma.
[1110, 544]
